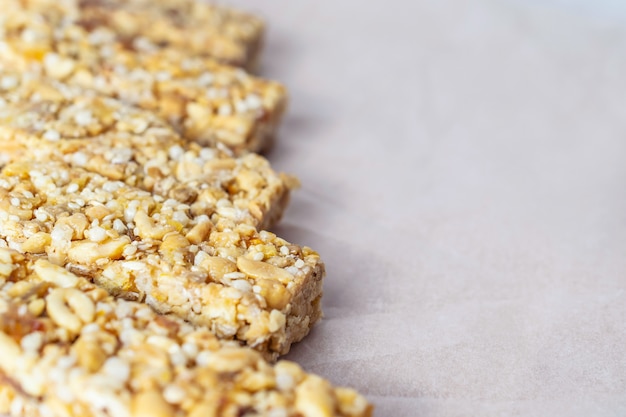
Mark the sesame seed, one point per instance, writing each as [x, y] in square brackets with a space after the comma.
[254, 102]
[29, 36]
[83, 117]
[52, 135]
[205, 79]
[117, 369]
[190, 349]
[176, 152]
[174, 394]
[119, 226]
[203, 358]
[241, 106]
[163, 76]
[225, 110]
[223, 202]
[32, 342]
[284, 381]
[90, 328]
[121, 156]
[41, 215]
[80, 159]
[181, 217]
[207, 153]
[96, 234]
[140, 126]
[9, 82]
[112, 186]
[129, 251]
[234, 275]
[242, 285]
[227, 212]
[134, 265]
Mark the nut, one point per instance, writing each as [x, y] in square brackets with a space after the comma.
[90, 353]
[37, 243]
[10, 352]
[87, 253]
[70, 308]
[97, 212]
[249, 180]
[277, 321]
[263, 270]
[58, 275]
[199, 233]
[146, 228]
[20, 289]
[205, 409]
[313, 398]
[350, 402]
[150, 404]
[173, 247]
[78, 222]
[36, 307]
[275, 294]
[217, 267]
[231, 359]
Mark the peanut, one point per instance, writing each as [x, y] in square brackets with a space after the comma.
[150, 404]
[87, 253]
[217, 267]
[314, 399]
[37, 243]
[70, 308]
[58, 275]
[263, 270]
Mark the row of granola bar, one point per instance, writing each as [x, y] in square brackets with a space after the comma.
[137, 277]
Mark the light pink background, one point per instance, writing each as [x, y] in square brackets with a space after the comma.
[464, 177]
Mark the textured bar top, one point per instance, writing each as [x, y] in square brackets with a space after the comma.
[219, 272]
[67, 348]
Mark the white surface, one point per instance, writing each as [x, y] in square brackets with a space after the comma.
[463, 170]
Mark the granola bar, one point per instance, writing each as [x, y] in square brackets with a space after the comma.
[206, 101]
[67, 348]
[217, 272]
[48, 120]
[228, 35]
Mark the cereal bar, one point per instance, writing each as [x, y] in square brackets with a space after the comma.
[67, 348]
[217, 272]
[49, 120]
[230, 36]
[206, 101]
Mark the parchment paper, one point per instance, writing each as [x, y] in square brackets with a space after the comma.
[464, 172]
